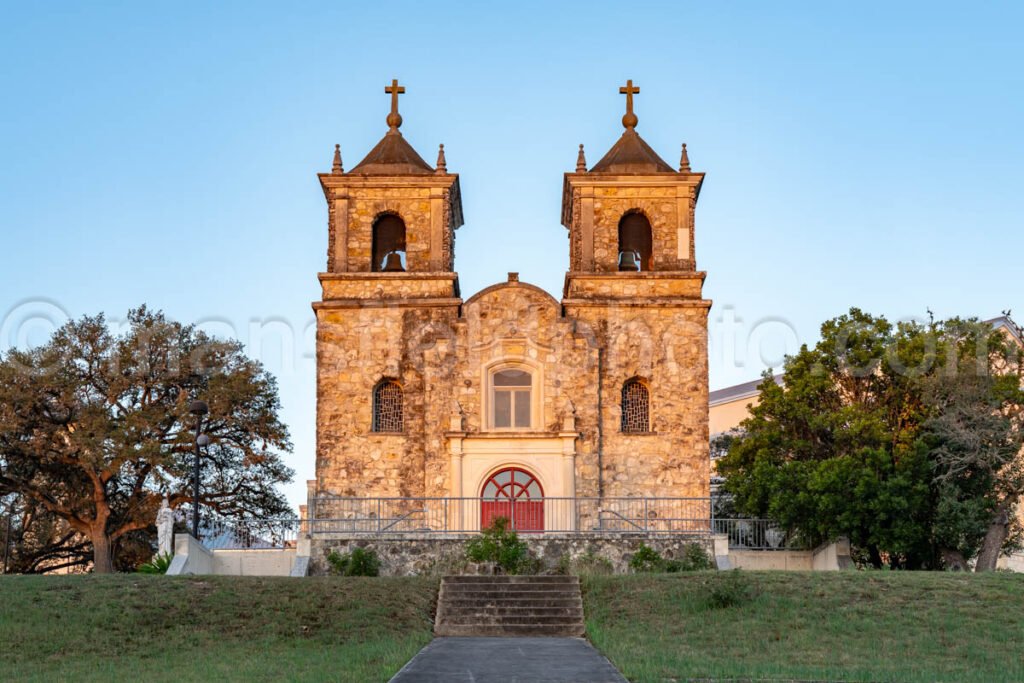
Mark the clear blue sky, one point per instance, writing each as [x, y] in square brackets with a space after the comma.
[862, 154]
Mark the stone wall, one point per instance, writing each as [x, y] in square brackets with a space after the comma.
[663, 211]
[418, 555]
[666, 347]
[412, 204]
[356, 348]
[414, 328]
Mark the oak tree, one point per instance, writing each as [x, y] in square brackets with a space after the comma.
[95, 428]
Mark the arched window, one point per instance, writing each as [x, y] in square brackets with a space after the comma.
[388, 244]
[634, 242]
[388, 408]
[636, 406]
[510, 399]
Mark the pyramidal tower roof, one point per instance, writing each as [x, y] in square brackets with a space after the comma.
[393, 155]
[630, 153]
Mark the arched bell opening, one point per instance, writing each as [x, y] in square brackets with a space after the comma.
[635, 242]
[389, 244]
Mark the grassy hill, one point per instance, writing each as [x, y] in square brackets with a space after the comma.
[154, 628]
[850, 626]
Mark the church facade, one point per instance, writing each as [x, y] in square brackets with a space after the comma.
[511, 394]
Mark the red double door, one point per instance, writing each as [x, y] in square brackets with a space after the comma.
[516, 495]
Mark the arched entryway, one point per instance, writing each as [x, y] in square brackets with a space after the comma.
[516, 494]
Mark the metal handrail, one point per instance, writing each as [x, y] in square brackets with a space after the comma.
[401, 519]
[627, 521]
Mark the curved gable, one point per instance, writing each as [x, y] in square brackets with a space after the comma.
[511, 292]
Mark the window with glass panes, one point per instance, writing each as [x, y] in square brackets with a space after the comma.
[510, 399]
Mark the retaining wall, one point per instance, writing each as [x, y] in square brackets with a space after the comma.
[404, 555]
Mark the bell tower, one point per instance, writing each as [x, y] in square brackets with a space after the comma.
[389, 287]
[631, 212]
[392, 212]
[633, 282]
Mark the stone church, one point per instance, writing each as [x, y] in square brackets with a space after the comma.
[511, 394]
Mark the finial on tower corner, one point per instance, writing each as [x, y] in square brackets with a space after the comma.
[684, 161]
[442, 165]
[629, 120]
[336, 168]
[394, 118]
[581, 161]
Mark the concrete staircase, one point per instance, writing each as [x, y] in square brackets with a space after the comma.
[509, 606]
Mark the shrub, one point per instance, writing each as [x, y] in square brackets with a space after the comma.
[359, 562]
[158, 565]
[502, 546]
[646, 559]
[695, 558]
[732, 590]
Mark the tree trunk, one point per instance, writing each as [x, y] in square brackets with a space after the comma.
[995, 537]
[102, 552]
[875, 556]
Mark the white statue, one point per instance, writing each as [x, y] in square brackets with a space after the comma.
[165, 529]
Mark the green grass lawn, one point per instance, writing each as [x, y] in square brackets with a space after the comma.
[852, 626]
[155, 628]
[849, 626]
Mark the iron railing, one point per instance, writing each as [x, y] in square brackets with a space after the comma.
[249, 534]
[380, 516]
[756, 534]
[342, 516]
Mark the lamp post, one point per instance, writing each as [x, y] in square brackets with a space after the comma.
[7, 536]
[199, 409]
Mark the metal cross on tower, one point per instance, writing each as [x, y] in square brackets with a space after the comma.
[394, 118]
[630, 119]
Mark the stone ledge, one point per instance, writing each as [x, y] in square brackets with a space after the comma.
[613, 301]
[404, 275]
[447, 302]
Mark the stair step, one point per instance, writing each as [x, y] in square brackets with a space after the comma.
[514, 621]
[523, 604]
[539, 612]
[509, 606]
[452, 580]
[505, 595]
[514, 630]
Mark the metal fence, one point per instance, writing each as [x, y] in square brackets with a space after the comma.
[755, 534]
[333, 515]
[379, 516]
[254, 534]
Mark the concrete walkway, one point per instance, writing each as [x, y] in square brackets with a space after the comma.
[509, 660]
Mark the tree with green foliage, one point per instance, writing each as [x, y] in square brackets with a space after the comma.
[857, 442]
[95, 429]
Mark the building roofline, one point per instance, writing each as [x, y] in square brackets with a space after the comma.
[739, 391]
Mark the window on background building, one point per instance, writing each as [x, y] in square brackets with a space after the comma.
[388, 408]
[636, 406]
[510, 399]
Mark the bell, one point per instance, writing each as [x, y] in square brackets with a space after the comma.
[627, 261]
[393, 263]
